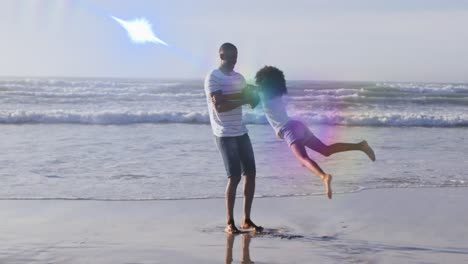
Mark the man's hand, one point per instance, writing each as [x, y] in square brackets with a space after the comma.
[254, 100]
[216, 97]
[250, 94]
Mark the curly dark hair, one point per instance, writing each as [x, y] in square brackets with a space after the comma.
[272, 81]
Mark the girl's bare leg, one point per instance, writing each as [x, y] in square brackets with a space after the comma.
[301, 155]
[327, 150]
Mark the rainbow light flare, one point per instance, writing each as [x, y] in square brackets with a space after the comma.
[139, 30]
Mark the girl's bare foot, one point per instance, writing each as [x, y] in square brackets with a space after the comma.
[368, 150]
[327, 178]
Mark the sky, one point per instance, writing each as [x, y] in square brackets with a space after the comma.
[353, 40]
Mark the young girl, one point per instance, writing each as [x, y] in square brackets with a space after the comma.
[298, 136]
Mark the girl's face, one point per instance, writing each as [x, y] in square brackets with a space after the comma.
[265, 90]
[263, 87]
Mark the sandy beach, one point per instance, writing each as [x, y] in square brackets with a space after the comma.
[426, 225]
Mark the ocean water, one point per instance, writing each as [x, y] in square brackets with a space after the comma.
[135, 139]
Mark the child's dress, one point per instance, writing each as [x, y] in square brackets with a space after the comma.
[291, 131]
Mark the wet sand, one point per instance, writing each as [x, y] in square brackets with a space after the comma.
[426, 225]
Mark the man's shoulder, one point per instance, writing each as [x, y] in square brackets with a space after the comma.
[215, 73]
[217, 80]
[238, 75]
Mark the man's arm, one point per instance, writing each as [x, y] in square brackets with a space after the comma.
[248, 96]
[221, 103]
[225, 103]
[233, 97]
[248, 91]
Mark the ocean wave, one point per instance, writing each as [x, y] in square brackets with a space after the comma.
[425, 88]
[334, 92]
[387, 95]
[379, 99]
[103, 118]
[108, 95]
[83, 83]
[391, 91]
[250, 117]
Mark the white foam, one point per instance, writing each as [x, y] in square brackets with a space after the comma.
[135, 117]
[103, 117]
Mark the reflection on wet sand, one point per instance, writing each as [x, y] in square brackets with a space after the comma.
[246, 238]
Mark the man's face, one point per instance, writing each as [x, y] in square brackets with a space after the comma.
[229, 57]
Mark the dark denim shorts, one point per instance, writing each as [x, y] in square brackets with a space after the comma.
[295, 131]
[238, 155]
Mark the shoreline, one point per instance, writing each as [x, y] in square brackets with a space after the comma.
[222, 198]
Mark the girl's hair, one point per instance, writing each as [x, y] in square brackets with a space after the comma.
[271, 80]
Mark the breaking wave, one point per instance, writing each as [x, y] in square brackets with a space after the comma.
[156, 117]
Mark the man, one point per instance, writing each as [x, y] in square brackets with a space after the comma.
[231, 134]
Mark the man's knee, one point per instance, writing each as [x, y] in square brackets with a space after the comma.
[250, 175]
[234, 180]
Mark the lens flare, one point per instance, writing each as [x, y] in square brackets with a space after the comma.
[139, 30]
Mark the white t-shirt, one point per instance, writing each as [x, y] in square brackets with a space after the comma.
[225, 124]
[275, 112]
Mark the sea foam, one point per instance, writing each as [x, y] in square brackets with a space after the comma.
[157, 117]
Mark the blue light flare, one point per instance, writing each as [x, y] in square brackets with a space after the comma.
[140, 31]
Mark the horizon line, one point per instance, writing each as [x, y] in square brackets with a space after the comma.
[197, 79]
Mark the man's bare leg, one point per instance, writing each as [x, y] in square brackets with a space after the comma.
[249, 191]
[230, 201]
[301, 154]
